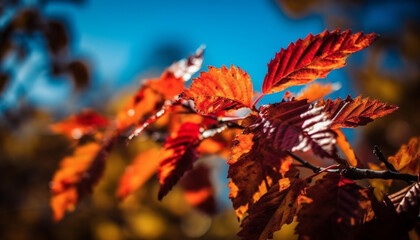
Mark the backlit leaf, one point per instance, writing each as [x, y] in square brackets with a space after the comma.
[350, 113]
[252, 169]
[167, 85]
[316, 91]
[407, 159]
[312, 58]
[198, 189]
[178, 156]
[76, 177]
[338, 205]
[138, 172]
[345, 146]
[295, 126]
[274, 209]
[220, 90]
[86, 122]
[187, 67]
[407, 199]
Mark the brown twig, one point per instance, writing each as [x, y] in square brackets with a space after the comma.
[381, 158]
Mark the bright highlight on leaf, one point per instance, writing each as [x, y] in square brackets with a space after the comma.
[312, 58]
[317, 91]
[220, 90]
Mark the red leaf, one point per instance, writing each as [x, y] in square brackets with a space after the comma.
[312, 58]
[220, 90]
[138, 172]
[198, 189]
[295, 126]
[86, 122]
[338, 205]
[274, 209]
[76, 177]
[407, 159]
[178, 156]
[351, 113]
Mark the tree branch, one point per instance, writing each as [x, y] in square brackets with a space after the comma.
[381, 158]
[306, 164]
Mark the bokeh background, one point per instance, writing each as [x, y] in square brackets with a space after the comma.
[60, 56]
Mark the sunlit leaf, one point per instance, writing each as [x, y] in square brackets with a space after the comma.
[252, 169]
[178, 156]
[274, 209]
[317, 91]
[86, 122]
[338, 205]
[349, 113]
[187, 67]
[76, 177]
[345, 146]
[295, 126]
[138, 172]
[312, 58]
[220, 89]
[167, 85]
[407, 159]
[198, 189]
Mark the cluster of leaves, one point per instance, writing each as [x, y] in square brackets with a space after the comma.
[266, 186]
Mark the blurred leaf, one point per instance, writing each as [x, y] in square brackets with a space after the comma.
[86, 122]
[138, 172]
[56, 36]
[198, 189]
[80, 72]
[4, 79]
[345, 146]
[316, 91]
[407, 159]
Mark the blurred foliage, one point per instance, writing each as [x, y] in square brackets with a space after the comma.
[29, 152]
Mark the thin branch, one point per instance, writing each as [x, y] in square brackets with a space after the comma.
[381, 158]
[314, 168]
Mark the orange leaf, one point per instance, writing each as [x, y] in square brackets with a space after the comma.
[220, 90]
[76, 177]
[142, 105]
[75, 126]
[350, 113]
[407, 159]
[252, 169]
[316, 91]
[198, 189]
[274, 209]
[138, 172]
[312, 58]
[345, 146]
[167, 85]
[178, 156]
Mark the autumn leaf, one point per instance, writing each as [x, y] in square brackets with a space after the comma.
[295, 126]
[167, 85]
[76, 177]
[198, 189]
[138, 172]
[86, 122]
[316, 91]
[252, 169]
[350, 113]
[144, 103]
[407, 200]
[178, 156]
[345, 146]
[312, 58]
[274, 209]
[220, 90]
[338, 206]
[186, 67]
[407, 159]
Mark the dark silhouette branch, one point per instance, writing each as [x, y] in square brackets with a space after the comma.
[354, 173]
[381, 158]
